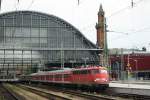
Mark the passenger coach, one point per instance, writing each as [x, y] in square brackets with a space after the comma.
[93, 76]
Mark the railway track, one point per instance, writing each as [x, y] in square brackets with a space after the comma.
[33, 94]
[75, 95]
[65, 94]
[6, 94]
[89, 96]
[45, 94]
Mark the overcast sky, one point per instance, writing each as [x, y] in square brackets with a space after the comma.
[131, 26]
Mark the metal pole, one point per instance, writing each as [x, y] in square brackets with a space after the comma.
[85, 59]
[122, 64]
[62, 56]
[128, 67]
[85, 62]
[72, 62]
[105, 44]
[118, 70]
[110, 67]
[136, 73]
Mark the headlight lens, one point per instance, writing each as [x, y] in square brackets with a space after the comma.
[100, 79]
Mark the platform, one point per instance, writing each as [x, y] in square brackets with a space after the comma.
[132, 87]
[9, 80]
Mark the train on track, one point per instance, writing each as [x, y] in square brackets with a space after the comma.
[92, 76]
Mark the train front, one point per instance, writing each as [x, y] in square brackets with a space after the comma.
[101, 76]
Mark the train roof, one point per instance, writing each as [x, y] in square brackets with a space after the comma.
[67, 70]
[89, 68]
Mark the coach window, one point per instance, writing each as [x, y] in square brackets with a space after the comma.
[75, 72]
[50, 76]
[88, 71]
[58, 76]
[85, 72]
[39, 78]
[66, 75]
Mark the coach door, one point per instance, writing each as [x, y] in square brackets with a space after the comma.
[76, 76]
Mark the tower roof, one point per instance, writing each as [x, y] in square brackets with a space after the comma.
[101, 11]
[101, 8]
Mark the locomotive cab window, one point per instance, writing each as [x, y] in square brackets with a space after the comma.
[95, 71]
[103, 71]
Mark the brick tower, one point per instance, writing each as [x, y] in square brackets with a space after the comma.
[100, 27]
[102, 36]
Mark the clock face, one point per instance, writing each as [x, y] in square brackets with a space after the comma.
[101, 13]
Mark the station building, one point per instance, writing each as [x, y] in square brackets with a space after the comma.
[32, 40]
[127, 63]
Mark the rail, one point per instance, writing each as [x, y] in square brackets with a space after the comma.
[75, 93]
[7, 94]
[42, 93]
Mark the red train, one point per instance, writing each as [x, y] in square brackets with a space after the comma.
[93, 76]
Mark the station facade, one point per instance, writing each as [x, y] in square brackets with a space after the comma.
[32, 40]
[130, 63]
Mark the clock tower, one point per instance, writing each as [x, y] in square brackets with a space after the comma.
[102, 36]
[100, 27]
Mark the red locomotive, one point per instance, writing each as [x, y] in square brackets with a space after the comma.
[93, 76]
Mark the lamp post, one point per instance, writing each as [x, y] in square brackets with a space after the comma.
[72, 61]
[118, 70]
[100, 60]
[136, 69]
[85, 59]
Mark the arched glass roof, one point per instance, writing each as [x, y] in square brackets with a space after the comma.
[32, 39]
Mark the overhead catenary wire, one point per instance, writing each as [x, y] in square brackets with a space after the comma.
[15, 5]
[130, 33]
[30, 4]
[79, 2]
[116, 13]
[133, 4]
[117, 32]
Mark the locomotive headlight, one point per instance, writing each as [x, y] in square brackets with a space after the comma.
[97, 79]
[100, 79]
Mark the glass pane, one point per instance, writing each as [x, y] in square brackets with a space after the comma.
[35, 32]
[43, 32]
[26, 32]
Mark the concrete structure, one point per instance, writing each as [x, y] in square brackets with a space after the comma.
[130, 88]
